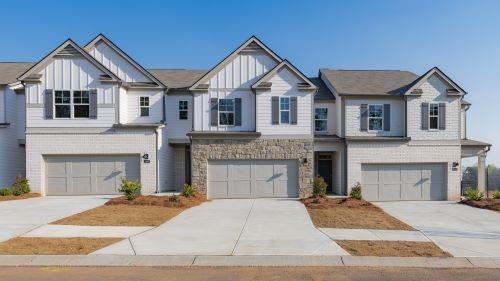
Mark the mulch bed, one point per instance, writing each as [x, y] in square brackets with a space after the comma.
[350, 213]
[20, 197]
[54, 246]
[165, 201]
[490, 204]
[392, 248]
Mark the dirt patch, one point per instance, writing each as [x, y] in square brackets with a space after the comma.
[54, 246]
[22, 196]
[392, 248]
[142, 211]
[490, 204]
[350, 213]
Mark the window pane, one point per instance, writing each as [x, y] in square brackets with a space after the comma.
[375, 124]
[375, 111]
[63, 111]
[226, 118]
[433, 124]
[230, 105]
[285, 103]
[81, 111]
[144, 111]
[434, 109]
[183, 105]
[320, 125]
[285, 117]
[183, 115]
[320, 113]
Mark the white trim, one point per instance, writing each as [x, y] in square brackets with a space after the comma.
[144, 106]
[71, 104]
[227, 112]
[381, 117]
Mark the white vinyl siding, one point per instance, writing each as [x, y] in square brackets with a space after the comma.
[352, 117]
[177, 128]
[134, 106]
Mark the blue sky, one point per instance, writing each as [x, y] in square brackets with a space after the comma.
[460, 37]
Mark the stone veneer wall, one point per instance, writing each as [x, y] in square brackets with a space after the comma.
[203, 150]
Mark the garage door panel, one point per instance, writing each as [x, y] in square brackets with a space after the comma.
[81, 168]
[411, 174]
[241, 171]
[218, 171]
[412, 191]
[218, 189]
[263, 188]
[241, 189]
[390, 174]
[262, 170]
[370, 173]
[390, 192]
[56, 167]
[81, 185]
[58, 186]
[370, 190]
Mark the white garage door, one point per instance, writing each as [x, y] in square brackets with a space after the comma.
[388, 182]
[252, 178]
[81, 175]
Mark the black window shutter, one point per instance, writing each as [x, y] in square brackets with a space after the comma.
[237, 111]
[387, 117]
[293, 110]
[425, 116]
[275, 110]
[93, 104]
[442, 116]
[363, 111]
[49, 103]
[214, 111]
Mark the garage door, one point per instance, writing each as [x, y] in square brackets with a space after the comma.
[387, 182]
[252, 178]
[80, 175]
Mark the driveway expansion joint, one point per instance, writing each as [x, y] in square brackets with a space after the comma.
[243, 228]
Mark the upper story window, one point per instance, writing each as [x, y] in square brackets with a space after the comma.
[144, 106]
[183, 110]
[285, 110]
[375, 117]
[434, 116]
[226, 112]
[71, 104]
[320, 119]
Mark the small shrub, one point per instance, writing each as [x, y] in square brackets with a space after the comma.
[130, 188]
[496, 194]
[319, 187]
[189, 190]
[5, 191]
[20, 186]
[356, 192]
[474, 195]
[174, 199]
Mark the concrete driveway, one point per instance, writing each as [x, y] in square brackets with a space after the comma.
[233, 227]
[459, 229]
[20, 216]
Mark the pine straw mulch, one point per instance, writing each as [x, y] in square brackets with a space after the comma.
[54, 246]
[20, 197]
[392, 248]
[490, 204]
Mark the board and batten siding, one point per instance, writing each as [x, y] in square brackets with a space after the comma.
[72, 73]
[117, 64]
[353, 122]
[155, 106]
[331, 118]
[434, 90]
[284, 84]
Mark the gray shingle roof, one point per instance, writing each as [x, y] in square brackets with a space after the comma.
[178, 78]
[10, 71]
[324, 93]
[369, 82]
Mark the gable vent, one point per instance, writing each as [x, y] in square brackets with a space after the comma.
[252, 47]
[68, 51]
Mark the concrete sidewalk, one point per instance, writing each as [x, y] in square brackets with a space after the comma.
[271, 261]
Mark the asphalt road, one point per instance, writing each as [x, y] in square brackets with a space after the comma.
[242, 273]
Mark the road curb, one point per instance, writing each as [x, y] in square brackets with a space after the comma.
[271, 261]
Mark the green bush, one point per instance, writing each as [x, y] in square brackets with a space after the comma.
[496, 194]
[356, 192]
[20, 186]
[473, 195]
[189, 190]
[130, 188]
[5, 191]
[319, 187]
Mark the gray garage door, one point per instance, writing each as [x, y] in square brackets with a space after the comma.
[252, 178]
[387, 182]
[80, 175]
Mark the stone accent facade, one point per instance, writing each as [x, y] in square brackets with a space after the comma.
[203, 150]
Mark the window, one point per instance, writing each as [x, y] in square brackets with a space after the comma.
[226, 112]
[320, 119]
[62, 102]
[81, 104]
[433, 116]
[375, 117]
[285, 110]
[183, 110]
[144, 106]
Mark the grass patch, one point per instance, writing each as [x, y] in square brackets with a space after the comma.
[142, 211]
[392, 248]
[22, 196]
[350, 213]
[490, 204]
[54, 246]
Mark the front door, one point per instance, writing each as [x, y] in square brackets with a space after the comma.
[325, 168]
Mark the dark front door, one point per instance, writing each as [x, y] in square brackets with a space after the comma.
[325, 171]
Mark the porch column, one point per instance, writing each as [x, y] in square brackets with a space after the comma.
[481, 172]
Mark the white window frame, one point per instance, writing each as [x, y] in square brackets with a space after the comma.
[326, 120]
[148, 106]
[183, 110]
[285, 110]
[381, 117]
[434, 116]
[227, 112]
[71, 104]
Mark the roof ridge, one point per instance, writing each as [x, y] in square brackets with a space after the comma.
[197, 69]
[394, 70]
